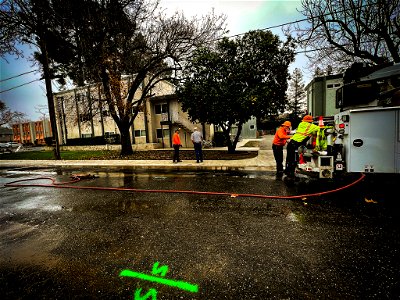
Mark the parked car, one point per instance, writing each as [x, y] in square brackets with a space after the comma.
[9, 146]
[13, 144]
[5, 147]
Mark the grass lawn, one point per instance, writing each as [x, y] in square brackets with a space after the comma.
[67, 155]
[110, 155]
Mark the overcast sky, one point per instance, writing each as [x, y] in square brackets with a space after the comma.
[242, 16]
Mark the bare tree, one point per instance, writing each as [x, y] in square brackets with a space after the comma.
[341, 32]
[8, 117]
[114, 38]
[43, 110]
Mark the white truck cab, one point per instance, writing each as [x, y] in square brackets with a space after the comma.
[370, 138]
[366, 135]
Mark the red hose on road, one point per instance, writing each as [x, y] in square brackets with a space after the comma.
[75, 179]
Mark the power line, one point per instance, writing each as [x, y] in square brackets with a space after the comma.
[239, 34]
[298, 21]
[19, 86]
[275, 26]
[17, 75]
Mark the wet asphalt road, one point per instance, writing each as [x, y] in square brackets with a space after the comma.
[73, 243]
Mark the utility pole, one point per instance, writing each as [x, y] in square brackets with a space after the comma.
[50, 100]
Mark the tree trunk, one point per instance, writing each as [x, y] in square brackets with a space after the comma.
[50, 100]
[232, 145]
[126, 145]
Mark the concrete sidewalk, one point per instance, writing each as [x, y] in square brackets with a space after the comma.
[263, 162]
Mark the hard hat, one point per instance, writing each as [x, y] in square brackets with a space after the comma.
[307, 118]
[287, 123]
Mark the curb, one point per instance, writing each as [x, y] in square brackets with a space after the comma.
[263, 162]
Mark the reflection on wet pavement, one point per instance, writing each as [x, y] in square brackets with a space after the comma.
[65, 243]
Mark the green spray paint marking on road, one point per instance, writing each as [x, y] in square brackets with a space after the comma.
[174, 283]
[162, 270]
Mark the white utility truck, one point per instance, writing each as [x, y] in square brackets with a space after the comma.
[365, 136]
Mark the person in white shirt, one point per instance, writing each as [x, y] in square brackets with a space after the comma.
[197, 140]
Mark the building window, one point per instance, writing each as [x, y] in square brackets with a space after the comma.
[80, 97]
[333, 86]
[159, 133]
[252, 127]
[85, 118]
[161, 108]
[139, 133]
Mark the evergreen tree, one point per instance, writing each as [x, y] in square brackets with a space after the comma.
[236, 80]
[296, 96]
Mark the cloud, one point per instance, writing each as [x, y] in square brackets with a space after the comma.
[242, 15]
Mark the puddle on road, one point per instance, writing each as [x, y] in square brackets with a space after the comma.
[133, 205]
[30, 244]
[160, 177]
[39, 202]
[13, 231]
[30, 171]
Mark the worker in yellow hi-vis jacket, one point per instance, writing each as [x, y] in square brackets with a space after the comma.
[303, 132]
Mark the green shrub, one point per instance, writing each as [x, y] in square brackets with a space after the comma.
[97, 140]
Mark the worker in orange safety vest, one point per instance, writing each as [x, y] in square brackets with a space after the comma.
[280, 139]
[176, 144]
[304, 131]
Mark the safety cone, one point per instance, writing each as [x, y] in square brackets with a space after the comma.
[321, 121]
[301, 159]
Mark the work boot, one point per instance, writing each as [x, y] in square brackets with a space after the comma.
[279, 175]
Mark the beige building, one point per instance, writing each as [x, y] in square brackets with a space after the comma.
[321, 95]
[81, 113]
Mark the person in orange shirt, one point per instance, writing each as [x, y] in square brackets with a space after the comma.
[176, 143]
[280, 139]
